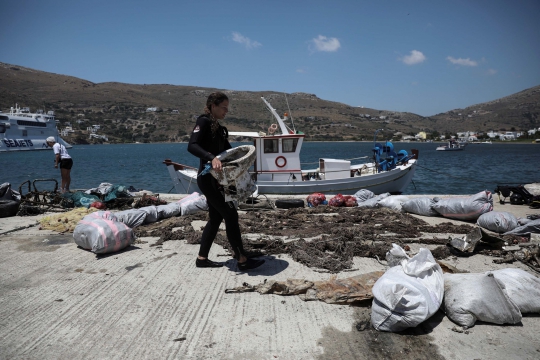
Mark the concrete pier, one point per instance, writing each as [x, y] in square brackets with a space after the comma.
[151, 302]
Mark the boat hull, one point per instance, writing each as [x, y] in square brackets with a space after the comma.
[442, 148]
[394, 181]
[27, 144]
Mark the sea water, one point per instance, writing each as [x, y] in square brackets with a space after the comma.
[478, 167]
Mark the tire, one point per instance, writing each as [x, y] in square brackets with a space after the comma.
[8, 208]
[289, 203]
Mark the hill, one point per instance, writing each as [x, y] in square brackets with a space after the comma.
[121, 110]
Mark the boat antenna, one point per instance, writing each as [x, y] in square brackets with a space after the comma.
[290, 114]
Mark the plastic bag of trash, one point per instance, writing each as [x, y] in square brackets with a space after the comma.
[349, 201]
[316, 199]
[101, 235]
[522, 288]
[193, 203]
[102, 189]
[532, 227]
[336, 201]
[465, 208]
[408, 294]
[393, 202]
[420, 206]
[363, 195]
[472, 297]
[372, 203]
[81, 199]
[117, 191]
[498, 221]
[132, 218]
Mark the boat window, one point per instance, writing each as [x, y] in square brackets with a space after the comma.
[31, 123]
[270, 146]
[4, 117]
[289, 145]
[2, 128]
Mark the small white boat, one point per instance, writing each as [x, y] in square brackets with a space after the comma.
[21, 130]
[277, 168]
[451, 146]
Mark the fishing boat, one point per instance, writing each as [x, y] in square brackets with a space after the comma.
[451, 146]
[21, 130]
[277, 168]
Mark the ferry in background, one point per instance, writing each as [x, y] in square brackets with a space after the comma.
[21, 130]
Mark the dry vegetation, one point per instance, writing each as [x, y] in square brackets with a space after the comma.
[120, 109]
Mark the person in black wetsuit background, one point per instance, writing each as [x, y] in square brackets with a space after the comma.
[208, 139]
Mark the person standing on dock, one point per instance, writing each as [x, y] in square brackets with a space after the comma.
[62, 159]
[208, 139]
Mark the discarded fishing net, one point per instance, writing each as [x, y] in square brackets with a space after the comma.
[65, 222]
[323, 238]
[331, 291]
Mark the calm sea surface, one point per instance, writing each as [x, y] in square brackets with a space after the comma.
[478, 167]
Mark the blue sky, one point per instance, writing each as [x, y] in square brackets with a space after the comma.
[424, 57]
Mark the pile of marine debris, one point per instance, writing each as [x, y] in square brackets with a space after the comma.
[327, 238]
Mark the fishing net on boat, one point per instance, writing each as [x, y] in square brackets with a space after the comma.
[65, 222]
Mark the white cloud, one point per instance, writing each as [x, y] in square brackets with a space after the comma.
[322, 43]
[300, 71]
[491, 71]
[416, 57]
[463, 62]
[247, 42]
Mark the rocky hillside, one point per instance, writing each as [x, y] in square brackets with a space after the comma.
[121, 110]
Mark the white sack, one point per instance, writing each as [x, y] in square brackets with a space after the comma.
[363, 195]
[498, 221]
[408, 294]
[372, 203]
[132, 218]
[530, 227]
[396, 255]
[101, 215]
[465, 208]
[102, 235]
[522, 288]
[420, 206]
[151, 214]
[471, 297]
[169, 210]
[393, 202]
[193, 203]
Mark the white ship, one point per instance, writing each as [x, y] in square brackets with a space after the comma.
[21, 130]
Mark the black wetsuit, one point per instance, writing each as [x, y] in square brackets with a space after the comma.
[205, 145]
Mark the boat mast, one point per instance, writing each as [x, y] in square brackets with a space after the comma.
[282, 125]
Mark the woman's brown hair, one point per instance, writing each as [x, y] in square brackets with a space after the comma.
[214, 98]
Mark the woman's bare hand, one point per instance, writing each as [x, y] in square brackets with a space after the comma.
[216, 164]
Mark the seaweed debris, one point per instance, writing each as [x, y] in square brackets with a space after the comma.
[324, 237]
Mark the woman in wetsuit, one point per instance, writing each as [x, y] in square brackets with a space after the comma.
[208, 139]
